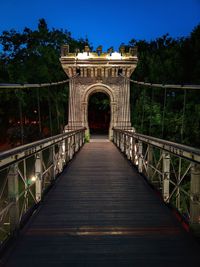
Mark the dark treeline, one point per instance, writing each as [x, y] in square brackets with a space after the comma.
[168, 60]
[172, 114]
[32, 56]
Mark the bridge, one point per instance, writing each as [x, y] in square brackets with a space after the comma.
[116, 200]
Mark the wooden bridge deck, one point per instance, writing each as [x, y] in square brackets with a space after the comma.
[102, 213]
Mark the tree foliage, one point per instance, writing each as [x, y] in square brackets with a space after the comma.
[168, 60]
[32, 56]
[172, 114]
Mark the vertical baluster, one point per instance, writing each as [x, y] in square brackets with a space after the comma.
[140, 157]
[166, 176]
[149, 161]
[38, 174]
[13, 196]
[195, 195]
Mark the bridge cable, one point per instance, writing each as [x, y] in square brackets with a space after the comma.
[164, 112]
[50, 112]
[39, 111]
[183, 115]
[151, 110]
[143, 107]
[172, 86]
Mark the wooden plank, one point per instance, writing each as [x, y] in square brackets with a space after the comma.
[101, 212]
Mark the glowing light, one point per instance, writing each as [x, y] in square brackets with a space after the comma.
[33, 178]
[135, 148]
[136, 160]
[114, 55]
[84, 55]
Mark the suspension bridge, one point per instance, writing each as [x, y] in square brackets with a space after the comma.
[121, 199]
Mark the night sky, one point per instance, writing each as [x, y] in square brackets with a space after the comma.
[105, 22]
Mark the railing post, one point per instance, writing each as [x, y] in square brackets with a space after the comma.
[76, 138]
[61, 156]
[195, 195]
[73, 144]
[38, 174]
[134, 153]
[68, 150]
[53, 155]
[79, 140]
[13, 196]
[83, 137]
[118, 139]
[124, 143]
[140, 156]
[127, 146]
[166, 176]
[70, 146]
[131, 148]
[149, 161]
[114, 137]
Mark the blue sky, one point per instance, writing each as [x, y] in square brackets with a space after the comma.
[108, 23]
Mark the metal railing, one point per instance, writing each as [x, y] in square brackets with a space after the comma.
[174, 169]
[26, 172]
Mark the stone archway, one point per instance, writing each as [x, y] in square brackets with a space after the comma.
[91, 72]
[99, 88]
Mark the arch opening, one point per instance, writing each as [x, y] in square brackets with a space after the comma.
[99, 113]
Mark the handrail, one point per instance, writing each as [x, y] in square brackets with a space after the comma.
[18, 153]
[187, 152]
[172, 168]
[28, 171]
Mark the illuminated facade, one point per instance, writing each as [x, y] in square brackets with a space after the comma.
[90, 73]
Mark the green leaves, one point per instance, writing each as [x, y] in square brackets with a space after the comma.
[33, 55]
[168, 60]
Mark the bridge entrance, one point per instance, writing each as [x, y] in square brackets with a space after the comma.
[99, 113]
[99, 72]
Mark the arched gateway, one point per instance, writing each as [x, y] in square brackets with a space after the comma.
[107, 73]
